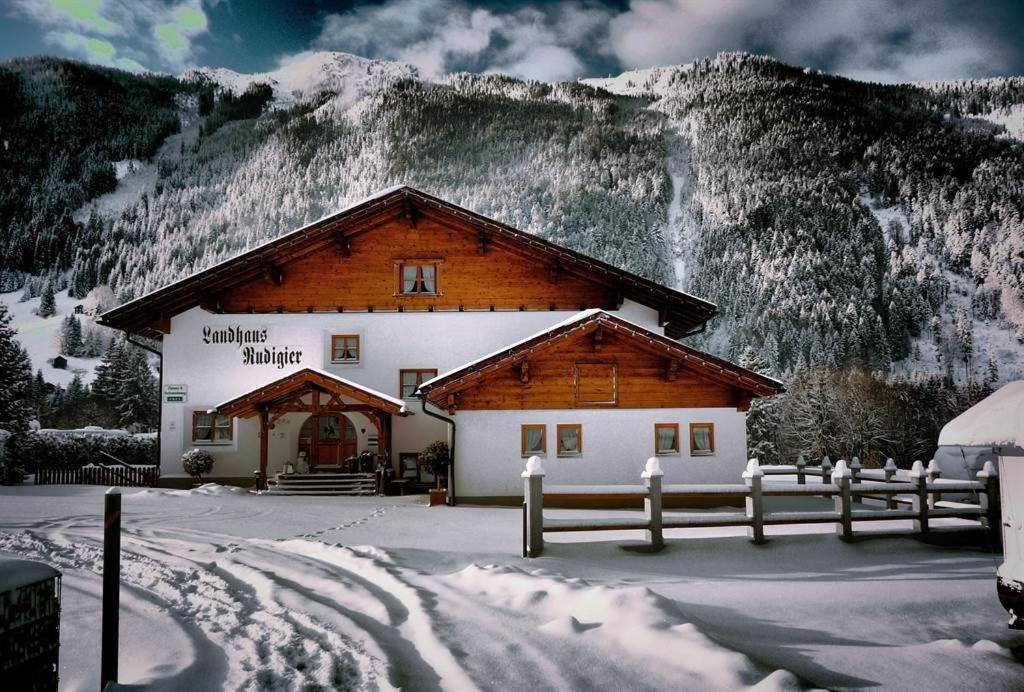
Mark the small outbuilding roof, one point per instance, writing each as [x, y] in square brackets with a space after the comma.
[15, 573]
[995, 421]
[302, 381]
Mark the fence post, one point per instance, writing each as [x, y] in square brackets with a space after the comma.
[855, 470]
[111, 586]
[919, 477]
[843, 501]
[533, 491]
[933, 473]
[801, 470]
[989, 499]
[890, 473]
[651, 476]
[754, 501]
[826, 469]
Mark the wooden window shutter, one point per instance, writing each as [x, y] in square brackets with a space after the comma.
[596, 384]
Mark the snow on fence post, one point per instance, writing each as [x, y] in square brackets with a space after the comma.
[651, 477]
[919, 477]
[988, 499]
[933, 474]
[855, 470]
[801, 470]
[754, 501]
[844, 500]
[826, 469]
[533, 490]
[890, 472]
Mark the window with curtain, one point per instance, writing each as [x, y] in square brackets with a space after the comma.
[418, 278]
[570, 440]
[412, 378]
[210, 429]
[702, 439]
[345, 348]
[532, 439]
[666, 438]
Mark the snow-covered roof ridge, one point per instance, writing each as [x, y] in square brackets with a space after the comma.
[323, 373]
[997, 420]
[614, 321]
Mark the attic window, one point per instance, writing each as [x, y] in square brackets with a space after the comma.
[417, 278]
[596, 384]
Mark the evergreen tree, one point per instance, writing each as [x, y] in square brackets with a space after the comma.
[71, 342]
[48, 302]
[138, 397]
[110, 372]
[763, 415]
[15, 393]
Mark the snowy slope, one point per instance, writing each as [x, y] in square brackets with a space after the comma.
[229, 591]
[41, 336]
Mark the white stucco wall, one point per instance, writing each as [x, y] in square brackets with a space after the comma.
[616, 444]
[389, 342]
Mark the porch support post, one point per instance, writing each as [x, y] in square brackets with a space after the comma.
[264, 444]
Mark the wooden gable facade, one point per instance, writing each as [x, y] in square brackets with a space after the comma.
[598, 361]
[364, 259]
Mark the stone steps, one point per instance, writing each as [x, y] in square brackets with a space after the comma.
[323, 484]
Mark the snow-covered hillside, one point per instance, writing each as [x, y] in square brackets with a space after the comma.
[40, 336]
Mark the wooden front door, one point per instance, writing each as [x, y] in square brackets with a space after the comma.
[331, 442]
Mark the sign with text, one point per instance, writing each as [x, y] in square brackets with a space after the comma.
[176, 393]
[254, 345]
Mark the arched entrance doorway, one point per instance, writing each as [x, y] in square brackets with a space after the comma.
[328, 439]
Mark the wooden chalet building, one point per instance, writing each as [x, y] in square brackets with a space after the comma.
[326, 343]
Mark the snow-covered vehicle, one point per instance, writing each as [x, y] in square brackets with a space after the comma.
[997, 422]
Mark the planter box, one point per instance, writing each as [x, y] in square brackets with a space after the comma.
[438, 497]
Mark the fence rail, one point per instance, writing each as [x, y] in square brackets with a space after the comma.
[122, 475]
[921, 488]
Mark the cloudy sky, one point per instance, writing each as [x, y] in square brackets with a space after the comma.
[881, 40]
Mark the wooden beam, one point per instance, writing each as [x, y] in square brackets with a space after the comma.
[452, 404]
[554, 271]
[410, 213]
[481, 242]
[671, 369]
[524, 372]
[597, 339]
[160, 323]
[342, 245]
[273, 273]
[211, 302]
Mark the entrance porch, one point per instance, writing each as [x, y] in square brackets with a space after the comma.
[346, 430]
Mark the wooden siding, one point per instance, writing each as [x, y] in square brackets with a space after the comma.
[641, 381]
[368, 277]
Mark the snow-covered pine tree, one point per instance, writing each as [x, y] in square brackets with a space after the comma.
[15, 390]
[110, 372]
[47, 301]
[71, 343]
[138, 405]
[763, 415]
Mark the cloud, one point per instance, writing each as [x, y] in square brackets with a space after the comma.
[869, 39]
[94, 50]
[149, 29]
[439, 36]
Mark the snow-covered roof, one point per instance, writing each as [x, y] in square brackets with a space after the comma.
[15, 573]
[369, 391]
[996, 421]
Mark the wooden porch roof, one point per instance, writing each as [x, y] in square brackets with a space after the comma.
[587, 322]
[281, 391]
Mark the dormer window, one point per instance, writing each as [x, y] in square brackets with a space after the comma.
[417, 278]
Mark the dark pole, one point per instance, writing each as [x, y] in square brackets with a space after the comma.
[111, 585]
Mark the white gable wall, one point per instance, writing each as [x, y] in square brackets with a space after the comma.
[616, 444]
[389, 341]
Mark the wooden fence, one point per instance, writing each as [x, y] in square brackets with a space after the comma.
[920, 489]
[123, 475]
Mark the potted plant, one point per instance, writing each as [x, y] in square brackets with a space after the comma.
[197, 462]
[434, 459]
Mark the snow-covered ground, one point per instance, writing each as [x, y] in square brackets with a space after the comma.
[226, 590]
[41, 336]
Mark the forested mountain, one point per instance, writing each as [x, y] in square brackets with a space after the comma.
[832, 221]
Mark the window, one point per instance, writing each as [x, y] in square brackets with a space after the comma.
[596, 384]
[345, 348]
[666, 438]
[210, 429]
[418, 278]
[413, 378]
[702, 439]
[533, 439]
[570, 440]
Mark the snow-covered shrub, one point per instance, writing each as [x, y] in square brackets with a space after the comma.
[34, 450]
[197, 462]
[434, 459]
